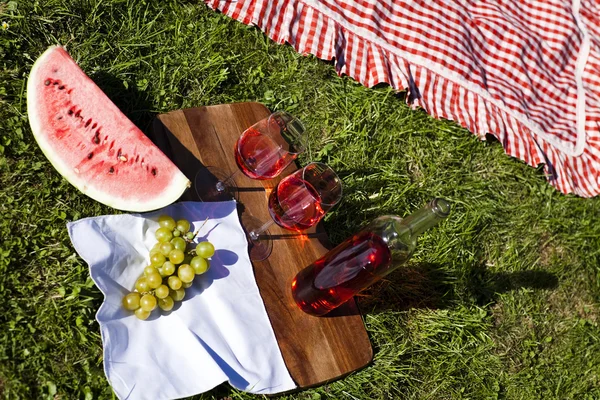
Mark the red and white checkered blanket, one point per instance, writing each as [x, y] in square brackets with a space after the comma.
[527, 72]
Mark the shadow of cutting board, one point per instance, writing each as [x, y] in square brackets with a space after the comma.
[315, 349]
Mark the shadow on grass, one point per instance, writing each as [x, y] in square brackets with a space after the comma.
[429, 286]
[132, 102]
[484, 286]
[413, 286]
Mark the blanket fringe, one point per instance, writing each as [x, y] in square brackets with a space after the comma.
[293, 22]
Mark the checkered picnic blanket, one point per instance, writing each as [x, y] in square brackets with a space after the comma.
[527, 72]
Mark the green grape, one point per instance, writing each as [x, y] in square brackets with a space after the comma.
[163, 234]
[165, 248]
[190, 236]
[187, 285]
[168, 269]
[183, 225]
[162, 291]
[166, 304]
[176, 233]
[174, 282]
[166, 221]
[178, 294]
[156, 246]
[205, 249]
[185, 273]
[142, 314]
[200, 265]
[154, 251]
[154, 280]
[148, 302]
[150, 270]
[179, 244]
[157, 259]
[176, 256]
[131, 301]
[141, 285]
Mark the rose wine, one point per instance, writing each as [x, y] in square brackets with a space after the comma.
[382, 246]
[330, 281]
[295, 204]
[259, 156]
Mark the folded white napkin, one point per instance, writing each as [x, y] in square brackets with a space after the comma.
[219, 332]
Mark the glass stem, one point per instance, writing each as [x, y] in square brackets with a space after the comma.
[255, 233]
[221, 186]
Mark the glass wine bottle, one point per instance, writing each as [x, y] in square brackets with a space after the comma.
[361, 260]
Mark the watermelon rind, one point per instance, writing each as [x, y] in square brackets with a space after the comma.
[178, 184]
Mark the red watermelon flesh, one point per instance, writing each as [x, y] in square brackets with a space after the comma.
[92, 144]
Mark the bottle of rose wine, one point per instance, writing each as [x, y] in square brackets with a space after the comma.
[361, 260]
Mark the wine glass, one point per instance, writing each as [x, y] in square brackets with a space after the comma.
[298, 202]
[261, 152]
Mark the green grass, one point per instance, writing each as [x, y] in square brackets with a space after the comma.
[501, 301]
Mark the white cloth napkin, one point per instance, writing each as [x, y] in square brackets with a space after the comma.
[219, 332]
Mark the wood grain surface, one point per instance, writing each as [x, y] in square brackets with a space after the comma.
[316, 350]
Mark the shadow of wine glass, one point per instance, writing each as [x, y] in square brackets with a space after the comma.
[291, 236]
[318, 232]
[321, 236]
[251, 189]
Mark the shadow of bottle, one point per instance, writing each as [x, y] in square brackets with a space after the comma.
[425, 285]
[484, 286]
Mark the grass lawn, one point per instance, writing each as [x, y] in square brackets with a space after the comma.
[500, 301]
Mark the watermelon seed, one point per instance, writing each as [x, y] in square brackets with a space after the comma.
[47, 82]
[111, 170]
[90, 155]
[61, 87]
[137, 158]
[96, 138]
[153, 171]
[78, 113]
[59, 117]
[89, 121]
[121, 157]
[55, 83]
[71, 112]
[95, 125]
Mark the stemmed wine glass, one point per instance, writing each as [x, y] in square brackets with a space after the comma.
[261, 152]
[298, 202]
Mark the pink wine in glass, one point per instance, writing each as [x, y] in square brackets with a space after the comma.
[259, 156]
[382, 246]
[295, 204]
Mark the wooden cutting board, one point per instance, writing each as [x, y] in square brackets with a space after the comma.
[316, 350]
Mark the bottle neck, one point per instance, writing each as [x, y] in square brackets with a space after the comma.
[427, 217]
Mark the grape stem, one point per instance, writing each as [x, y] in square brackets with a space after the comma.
[195, 233]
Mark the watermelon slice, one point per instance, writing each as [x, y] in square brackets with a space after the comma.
[92, 144]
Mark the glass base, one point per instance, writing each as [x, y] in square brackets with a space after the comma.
[259, 249]
[214, 184]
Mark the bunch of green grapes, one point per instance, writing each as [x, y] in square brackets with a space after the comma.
[174, 263]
